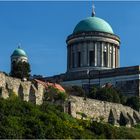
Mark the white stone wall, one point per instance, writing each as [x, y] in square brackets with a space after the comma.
[25, 89]
[95, 109]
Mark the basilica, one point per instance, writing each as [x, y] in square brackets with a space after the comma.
[93, 51]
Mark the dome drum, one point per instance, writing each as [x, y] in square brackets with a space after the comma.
[95, 38]
[19, 59]
[92, 39]
[93, 55]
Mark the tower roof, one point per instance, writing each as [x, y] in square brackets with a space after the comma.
[19, 52]
[93, 24]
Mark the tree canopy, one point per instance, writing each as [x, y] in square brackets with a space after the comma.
[20, 70]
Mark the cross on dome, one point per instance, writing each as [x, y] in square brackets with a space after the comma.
[19, 45]
[93, 9]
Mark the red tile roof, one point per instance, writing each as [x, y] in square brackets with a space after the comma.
[47, 84]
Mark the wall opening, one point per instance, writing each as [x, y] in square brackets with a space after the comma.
[32, 97]
[91, 58]
[105, 59]
[20, 92]
[79, 59]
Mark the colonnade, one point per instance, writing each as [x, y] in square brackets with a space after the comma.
[92, 54]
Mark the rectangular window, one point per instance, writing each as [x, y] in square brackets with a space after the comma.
[105, 58]
[111, 60]
[91, 58]
[69, 57]
[73, 60]
[79, 59]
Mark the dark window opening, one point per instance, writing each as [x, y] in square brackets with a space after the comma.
[111, 60]
[79, 59]
[105, 58]
[69, 58]
[91, 58]
[73, 60]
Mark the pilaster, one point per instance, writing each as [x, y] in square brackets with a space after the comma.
[113, 52]
[95, 51]
[101, 53]
[98, 54]
[84, 57]
[108, 55]
[118, 57]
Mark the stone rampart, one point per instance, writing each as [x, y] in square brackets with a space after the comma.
[113, 113]
[26, 90]
[33, 91]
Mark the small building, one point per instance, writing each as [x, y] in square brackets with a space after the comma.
[19, 56]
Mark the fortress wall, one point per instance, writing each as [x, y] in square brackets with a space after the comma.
[109, 112]
[26, 90]
[2, 79]
[77, 106]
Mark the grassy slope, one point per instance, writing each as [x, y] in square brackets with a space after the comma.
[20, 119]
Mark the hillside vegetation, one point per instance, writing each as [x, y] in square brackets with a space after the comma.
[109, 94]
[19, 119]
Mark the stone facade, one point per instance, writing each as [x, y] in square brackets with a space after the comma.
[126, 79]
[26, 90]
[116, 114]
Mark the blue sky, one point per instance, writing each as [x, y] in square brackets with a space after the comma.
[42, 29]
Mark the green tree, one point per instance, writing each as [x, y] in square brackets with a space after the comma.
[75, 90]
[53, 94]
[134, 102]
[11, 127]
[105, 94]
[20, 70]
[93, 92]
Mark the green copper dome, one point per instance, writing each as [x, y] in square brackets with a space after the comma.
[93, 24]
[19, 52]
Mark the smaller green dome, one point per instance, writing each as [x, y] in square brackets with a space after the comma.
[93, 24]
[19, 52]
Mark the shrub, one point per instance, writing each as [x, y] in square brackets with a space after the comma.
[23, 120]
[75, 90]
[137, 126]
[105, 94]
[134, 102]
[93, 92]
[53, 94]
[20, 70]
